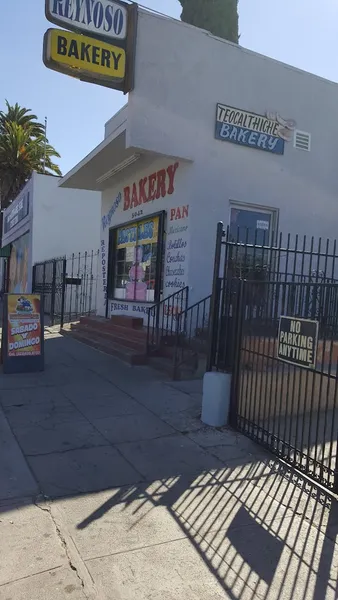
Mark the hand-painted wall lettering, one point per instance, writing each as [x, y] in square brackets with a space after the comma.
[177, 250]
[104, 263]
[155, 186]
[106, 219]
[181, 212]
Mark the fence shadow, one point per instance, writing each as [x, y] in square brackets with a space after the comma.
[258, 528]
[251, 526]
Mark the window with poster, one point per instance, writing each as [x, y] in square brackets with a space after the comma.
[252, 228]
[251, 224]
[136, 260]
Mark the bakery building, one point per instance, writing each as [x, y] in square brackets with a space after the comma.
[211, 132]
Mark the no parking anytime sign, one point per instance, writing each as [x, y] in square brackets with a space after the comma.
[298, 341]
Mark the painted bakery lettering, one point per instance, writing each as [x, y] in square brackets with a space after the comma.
[177, 250]
[155, 186]
[181, 212]
[106, 219]
[104, 267]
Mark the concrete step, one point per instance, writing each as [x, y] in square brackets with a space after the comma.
[101, 324]
[164, 365]
[125, 353]
[134, 343]
[167, 352]
[127, 322]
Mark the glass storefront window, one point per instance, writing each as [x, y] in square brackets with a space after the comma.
[137, 247]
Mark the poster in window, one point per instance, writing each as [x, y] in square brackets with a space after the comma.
[145, 232]
[136, 246]
[130, 252]
[18, 266]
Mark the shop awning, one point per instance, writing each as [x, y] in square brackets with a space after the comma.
[110, 160]
[86, 174]
[92, 172]
[5, 252]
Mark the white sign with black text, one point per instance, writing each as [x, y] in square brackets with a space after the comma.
[298, 341]
[105, 18]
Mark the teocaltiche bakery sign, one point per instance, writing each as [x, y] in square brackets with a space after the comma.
[106, 55]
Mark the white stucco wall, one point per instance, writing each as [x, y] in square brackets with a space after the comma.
[60, 222]
[65, 221]
[181, 74]
[177, 230]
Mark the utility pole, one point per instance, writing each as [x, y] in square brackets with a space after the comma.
[45, 150]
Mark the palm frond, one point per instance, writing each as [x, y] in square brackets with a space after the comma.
[23, 149]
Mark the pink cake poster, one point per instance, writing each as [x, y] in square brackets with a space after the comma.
[139, 241]
[136, 289]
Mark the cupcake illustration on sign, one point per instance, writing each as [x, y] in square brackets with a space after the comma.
[286, 127]
[136, 289]
[23, 305]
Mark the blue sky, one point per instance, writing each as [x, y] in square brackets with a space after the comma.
[302, 33]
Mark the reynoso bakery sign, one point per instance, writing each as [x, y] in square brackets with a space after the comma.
[107, 55]
[97, 17]
[83, 54]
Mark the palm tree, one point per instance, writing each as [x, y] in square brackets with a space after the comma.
[23, 149]
[21, 116]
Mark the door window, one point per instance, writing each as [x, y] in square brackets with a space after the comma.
[250, 226]
[251, 231]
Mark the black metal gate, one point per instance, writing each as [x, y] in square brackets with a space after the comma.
[68, 285]
[289, 409]
[49, 280]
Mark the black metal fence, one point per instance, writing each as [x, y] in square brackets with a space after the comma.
[192, 335]
[162, 321]
[289, 409]
[180, 333]
[81, 285]
[305, 265]
[49, 281]
[68, 285]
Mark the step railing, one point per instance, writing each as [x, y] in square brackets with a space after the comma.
[192, 338]
[162, 320]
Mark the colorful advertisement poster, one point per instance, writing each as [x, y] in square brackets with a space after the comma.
[18, 266]
[24, 325]
[138, 234]
[137, 251]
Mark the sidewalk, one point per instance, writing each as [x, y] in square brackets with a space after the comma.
[112, 489]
